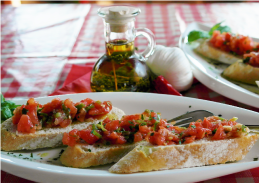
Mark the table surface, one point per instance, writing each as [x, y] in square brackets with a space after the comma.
[40, 43]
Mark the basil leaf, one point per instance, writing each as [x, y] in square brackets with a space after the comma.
[195, 35]
[215, 27]
[220, 28]
[6, 113]
[224, 29]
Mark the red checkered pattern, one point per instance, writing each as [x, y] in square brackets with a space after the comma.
[28, 31]
[32, 77]
[40, 42]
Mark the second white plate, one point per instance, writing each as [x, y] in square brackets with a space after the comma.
[209, 72]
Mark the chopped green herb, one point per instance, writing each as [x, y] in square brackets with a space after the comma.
[31, 155]
[222, 119]
[80, 106]
[246, 60]
[152, 134]
[89, 107]
[89, 150]
[148, 111]
[24, 111]
[168, 126]
[94, 132]
[155, 125]
[233, 119]
[100, 126]
[255, 159]
[58, 114]
[243, 128]
[142, 116]
[20, 154]
[214, 131]
[130, 122]
[193, 126]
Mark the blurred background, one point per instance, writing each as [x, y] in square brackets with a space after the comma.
[107, 2]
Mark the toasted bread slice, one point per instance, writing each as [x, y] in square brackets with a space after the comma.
[83, 156]
[199, 153]
[49, 137]
[242, 72]
[207, 50]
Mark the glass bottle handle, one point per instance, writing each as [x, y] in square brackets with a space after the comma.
[151, 41]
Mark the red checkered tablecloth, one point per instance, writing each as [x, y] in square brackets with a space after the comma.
[40, 42]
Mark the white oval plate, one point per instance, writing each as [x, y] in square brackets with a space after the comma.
[44, 166]
[208, 72]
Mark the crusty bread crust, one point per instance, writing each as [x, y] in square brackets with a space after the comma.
[242, 72]
[207, 50]
[12, 140]
[83, 156]
[199, 153]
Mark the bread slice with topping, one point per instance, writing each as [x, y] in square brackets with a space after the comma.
[207, 50]
[199, 153]
[12, 140]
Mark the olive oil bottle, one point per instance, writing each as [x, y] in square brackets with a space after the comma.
[121, 68]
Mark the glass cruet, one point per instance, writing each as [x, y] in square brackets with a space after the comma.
[121, 68]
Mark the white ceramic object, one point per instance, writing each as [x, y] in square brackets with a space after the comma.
[43, 165]
[209, 72]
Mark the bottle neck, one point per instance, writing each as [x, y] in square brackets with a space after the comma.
[119, 38]
[115, 32]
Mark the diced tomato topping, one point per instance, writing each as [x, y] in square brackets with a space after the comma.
[81, 115]
[188, 140]
[100, 108]
[87, 136]
[157, 139]
[144, 129]
[138, 137]
[253, 58]
[32, 113]
[220, 133]
[69, 104]
[236, 44]
[71, 138]
[112, 125]
[25, 125]
[58, 113]
[87, 101]
[17, 114]
[56, 103]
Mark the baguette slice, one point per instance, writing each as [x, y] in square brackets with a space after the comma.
[244, 73]
[49, 137]
[199, 153]
[207, 50]
[83, 156]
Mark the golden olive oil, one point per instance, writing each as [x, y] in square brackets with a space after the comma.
[120, 69]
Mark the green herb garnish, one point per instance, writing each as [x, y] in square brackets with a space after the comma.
[94, 132]
[195, 35]
[243, 128]
[7, 108]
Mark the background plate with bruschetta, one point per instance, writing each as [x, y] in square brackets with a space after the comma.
[209, 71]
